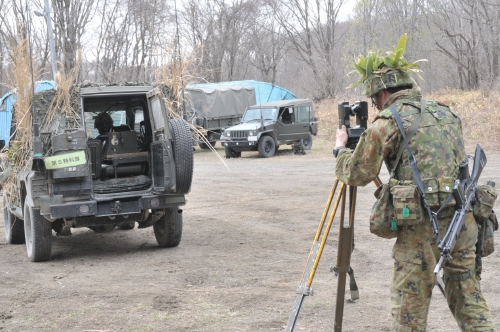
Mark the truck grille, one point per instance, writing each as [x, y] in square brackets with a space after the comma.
[239, 134]
[158, 165]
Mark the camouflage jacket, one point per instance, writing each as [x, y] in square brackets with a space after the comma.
[437, 145]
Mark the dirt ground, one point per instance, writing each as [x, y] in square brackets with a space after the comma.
[247, 233]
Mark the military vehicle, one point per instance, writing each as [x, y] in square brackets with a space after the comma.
[128, 161]
[212, 107]
[265, 127]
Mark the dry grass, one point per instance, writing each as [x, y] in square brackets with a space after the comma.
[62, 112]
[177, 74]
[20, 152]
[479, 111]
[480, 114]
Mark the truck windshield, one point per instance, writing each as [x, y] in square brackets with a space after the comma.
[252, 114]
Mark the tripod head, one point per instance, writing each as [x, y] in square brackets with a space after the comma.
[359, 110]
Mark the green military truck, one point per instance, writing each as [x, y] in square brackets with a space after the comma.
[266, 127]
[127, 162]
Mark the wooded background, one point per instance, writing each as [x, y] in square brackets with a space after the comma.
[306, 46]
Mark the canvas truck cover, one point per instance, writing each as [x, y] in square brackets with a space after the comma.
[264, 92]
[216, 101]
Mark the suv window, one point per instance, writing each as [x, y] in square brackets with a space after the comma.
[287, 115]
[119, 118]
[303, 113]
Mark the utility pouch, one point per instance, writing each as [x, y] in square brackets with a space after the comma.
[486, 232]
[382, 221]
[486, 196]
[407, 205]
[437, 191]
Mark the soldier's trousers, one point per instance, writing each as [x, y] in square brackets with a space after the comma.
[415, 256]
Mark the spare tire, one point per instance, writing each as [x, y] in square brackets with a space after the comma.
[183, 155]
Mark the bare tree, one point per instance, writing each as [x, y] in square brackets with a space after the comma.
[468, 36]
[268, 44]
[311, 29]
[71, 18]
[219, 31]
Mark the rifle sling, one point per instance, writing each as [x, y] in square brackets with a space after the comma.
[416, 172]
[411, 132]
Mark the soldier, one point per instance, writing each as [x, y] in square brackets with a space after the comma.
[103, 123]
[438, 147]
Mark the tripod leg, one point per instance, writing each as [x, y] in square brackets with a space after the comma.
[322, 222]
[304, 288]
[343, 267]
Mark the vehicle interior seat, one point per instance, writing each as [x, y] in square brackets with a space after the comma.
[286, 116]
[120, 128]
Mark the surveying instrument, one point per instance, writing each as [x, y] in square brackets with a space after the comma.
[346, 230]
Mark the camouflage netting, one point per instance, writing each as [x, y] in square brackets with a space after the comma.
[58, 110]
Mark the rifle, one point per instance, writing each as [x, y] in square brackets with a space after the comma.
[464, 191]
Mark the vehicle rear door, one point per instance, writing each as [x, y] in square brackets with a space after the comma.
[162, 161]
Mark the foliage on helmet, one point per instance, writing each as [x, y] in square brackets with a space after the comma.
[379, 72]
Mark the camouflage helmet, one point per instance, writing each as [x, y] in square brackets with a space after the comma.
[386, 78]
[377, 72]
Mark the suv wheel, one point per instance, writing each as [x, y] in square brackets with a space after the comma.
[183, 155]
[38, 234]
[230, 153]
[266, 147]
[168, 230]
[307, 143]
[14, 227]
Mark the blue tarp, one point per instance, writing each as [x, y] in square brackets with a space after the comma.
[6, 104]
[264, 92]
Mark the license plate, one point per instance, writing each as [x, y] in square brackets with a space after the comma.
[252, 138]
[65, 160]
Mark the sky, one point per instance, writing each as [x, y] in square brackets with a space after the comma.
[346, 9]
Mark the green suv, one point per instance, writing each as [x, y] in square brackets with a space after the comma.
[265, 127]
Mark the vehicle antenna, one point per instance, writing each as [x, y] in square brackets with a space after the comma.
[184, 114]
[37, 164]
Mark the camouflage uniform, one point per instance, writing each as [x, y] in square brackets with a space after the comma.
[438, 149]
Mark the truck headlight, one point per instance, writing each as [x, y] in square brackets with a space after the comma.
[251, 133]
[228, 134]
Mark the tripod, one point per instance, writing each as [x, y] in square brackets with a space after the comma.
[345, 247]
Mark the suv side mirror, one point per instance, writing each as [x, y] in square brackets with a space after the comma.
[2, 144]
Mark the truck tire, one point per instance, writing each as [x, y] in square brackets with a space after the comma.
[230, 153]
[38, 234]
[183, 155]
[14, 227]
[266, 147]
[307, 143]
[204, 146]
[168, 230]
